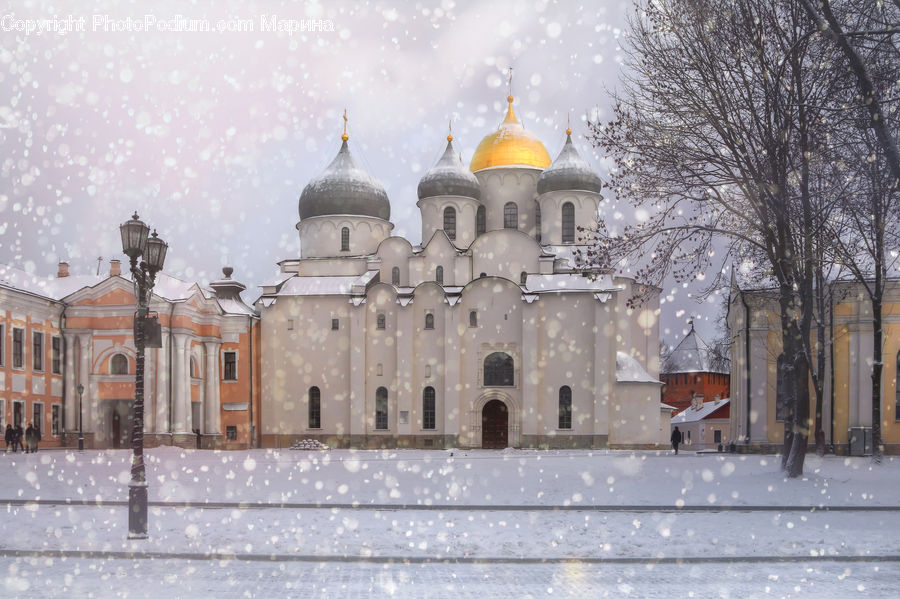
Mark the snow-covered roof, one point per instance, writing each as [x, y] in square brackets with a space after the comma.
[318, 285]
[54, 288]
[629, 370]
[568, 282]
[564, 252]
[691, 355]
[704, 410]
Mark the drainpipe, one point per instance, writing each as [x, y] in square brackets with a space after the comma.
[831, 354]
[747, 359]
[62, 319]
[252, 430]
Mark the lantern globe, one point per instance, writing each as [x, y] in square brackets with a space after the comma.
[155, 254]
[134, 236]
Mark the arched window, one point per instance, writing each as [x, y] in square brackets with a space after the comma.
[565, 407]
[395, 276]
[381, 409]
[428, 408]
[568, 223]
[523, 277]
[439, 275]
[450, 222]
[473, 318]
[510, 216]
[195, 369]
[119, 364]
[479, 221]
[498, 370]
[429, 321]
[379, 321]
[315, 408]
[345, 239]
[537, 221]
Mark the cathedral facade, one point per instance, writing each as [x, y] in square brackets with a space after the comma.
[486, 334]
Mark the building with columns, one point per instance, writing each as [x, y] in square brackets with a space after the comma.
[199, 385]
[759, 386]
[487, 333]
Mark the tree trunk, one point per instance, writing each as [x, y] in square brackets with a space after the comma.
[877, 368]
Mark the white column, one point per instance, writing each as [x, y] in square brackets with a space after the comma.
[188, 388]
[211, 391]
[529, 372]
[358, 370]
[453, 411]
[71, 387]
[759, 409]
[162, 386]
[605, 347]
[179, 403]
[403, 342]
[84, 378]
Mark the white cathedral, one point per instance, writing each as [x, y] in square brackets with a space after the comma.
[485, 335]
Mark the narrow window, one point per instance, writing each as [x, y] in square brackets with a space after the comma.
[498, 370]
[345, 239]
[335, 324]
[439, 275]
[381, 409]
[565, 407]
[523, 278]
[315, 408]
[231, 433]
[379, 321]
[537, 221]
[229, 373]
[568, 223]
[37, 416]
[510, 216]
[2, 344]
[450, 222]
[717, 436]
[37, 351]
[395, 276]
[429, 321]
[54, 419]
[18, 348]
[428, 408]
[118, 364]
[56, 355]
[473, 318]
[479, 221]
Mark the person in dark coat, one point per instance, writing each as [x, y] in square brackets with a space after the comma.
[17, 441]
[676, 439]
[36, 437]
[10, 437]
[29, 438]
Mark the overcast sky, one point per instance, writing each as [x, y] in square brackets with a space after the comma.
[211, 136]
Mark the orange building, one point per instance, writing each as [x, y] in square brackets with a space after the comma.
[201, 387]
[688, 372]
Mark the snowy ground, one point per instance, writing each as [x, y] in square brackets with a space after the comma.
[455, 523]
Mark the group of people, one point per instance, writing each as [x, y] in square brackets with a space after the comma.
[15, 435]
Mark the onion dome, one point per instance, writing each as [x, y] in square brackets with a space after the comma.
[569, 172]
[449, 178]
[344, 188]
[510, 145]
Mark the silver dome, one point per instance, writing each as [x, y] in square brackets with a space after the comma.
[449, 178]
[569, 172]
[344, 188]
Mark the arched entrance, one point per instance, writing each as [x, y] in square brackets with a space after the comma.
[494, 425]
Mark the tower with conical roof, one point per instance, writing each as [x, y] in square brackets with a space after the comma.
[449, 199]
[344, 211]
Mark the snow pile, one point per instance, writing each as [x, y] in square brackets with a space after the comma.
[309, 444]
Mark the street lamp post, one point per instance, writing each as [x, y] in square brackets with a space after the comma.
[137, 243]
[80, 390]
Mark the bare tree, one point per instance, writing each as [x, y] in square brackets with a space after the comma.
[716, 132]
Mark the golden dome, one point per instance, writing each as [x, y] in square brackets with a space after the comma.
[510, 145]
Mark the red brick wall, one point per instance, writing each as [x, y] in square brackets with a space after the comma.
[677, 387]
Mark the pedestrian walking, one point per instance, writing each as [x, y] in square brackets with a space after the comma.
[10, 437]
[29, 438]
[17, 440]
[676, 439]
[36, 437]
